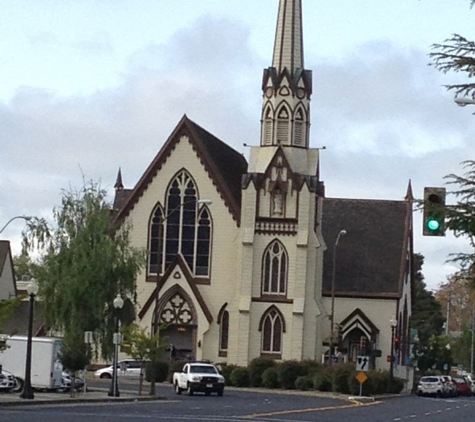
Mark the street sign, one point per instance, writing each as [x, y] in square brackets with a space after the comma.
[362, 363]
[361, 377]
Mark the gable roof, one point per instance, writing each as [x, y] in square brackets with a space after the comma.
[371, 257]
[224, 165]
[6, 256]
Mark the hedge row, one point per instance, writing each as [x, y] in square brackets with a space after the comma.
[308, 375]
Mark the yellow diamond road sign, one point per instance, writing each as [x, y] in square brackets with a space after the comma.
[361, 377]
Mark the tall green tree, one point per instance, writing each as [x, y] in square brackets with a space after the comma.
[460, 218]
[427, 315]
[456, 54]
[85, 261]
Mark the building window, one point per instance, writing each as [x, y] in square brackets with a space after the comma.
[274, 269]
[299, 129]
[203, 247]
[224, 333]
[267, 135]
[272, 328]
[188, 229]
[283, 119]
[156, 242]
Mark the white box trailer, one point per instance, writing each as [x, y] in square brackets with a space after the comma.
[46, 368]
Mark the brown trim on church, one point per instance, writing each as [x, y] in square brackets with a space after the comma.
[272, 299]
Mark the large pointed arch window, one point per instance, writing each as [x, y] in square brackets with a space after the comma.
[188, 228]
[283, 118]
[272, 327]
[299, 128]
[156, 242]
[274, 269]
[267, 127]
[223, 321]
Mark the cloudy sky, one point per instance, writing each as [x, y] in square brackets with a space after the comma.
[89, 86]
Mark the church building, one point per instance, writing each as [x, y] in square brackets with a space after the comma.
[249, 258]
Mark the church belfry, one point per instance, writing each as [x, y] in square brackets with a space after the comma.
[286, 85]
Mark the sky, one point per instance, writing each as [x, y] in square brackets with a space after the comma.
[89, 86]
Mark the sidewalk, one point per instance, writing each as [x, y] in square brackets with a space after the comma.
[94, 395]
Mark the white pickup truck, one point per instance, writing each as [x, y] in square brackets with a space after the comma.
[198, 376]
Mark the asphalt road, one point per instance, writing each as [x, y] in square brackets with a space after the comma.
[240, 406]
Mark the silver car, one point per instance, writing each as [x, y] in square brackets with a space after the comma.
[433, 385]
[125, 368]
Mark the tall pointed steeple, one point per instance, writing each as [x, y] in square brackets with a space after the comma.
[288, 47]
[287, 86]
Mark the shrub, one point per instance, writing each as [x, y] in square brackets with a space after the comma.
[159, 368]
[226, 371]
[304, 382]
[397, 386]
[256, 368]
[322, 381]
[240, 377]
[175, 366]
[379, 380]
[311, 367]
[341, 377]
[288, 373]
[270, 378]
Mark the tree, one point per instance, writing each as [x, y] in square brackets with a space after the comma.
[7, 309]
[427, 317]
[456, 54]
[85, 261]
[74, 356]
[144, 347]
[460, 218]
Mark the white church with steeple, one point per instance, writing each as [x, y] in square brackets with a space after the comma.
[242, 254]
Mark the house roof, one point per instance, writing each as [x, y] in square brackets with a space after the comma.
[370, 258]
[224, 165]
[4, 254]
[18, 323]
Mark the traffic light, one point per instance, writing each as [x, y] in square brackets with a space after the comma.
[434, 212]
[396, 343]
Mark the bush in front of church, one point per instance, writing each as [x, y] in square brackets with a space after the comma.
[226, 370]
[304, 383]
[341, 374]
[289, 371]
[323, 380]
[256, 368]
[270, 378]
[239, 377]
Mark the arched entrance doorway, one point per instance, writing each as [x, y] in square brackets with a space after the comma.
[175, 318]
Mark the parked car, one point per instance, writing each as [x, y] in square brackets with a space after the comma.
[66, 382]
[449, 381]
[433, 385]
[463, 385]
[125, 368]
[7, 381]
[472, 383]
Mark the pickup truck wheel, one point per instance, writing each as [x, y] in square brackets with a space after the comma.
[177, 389]
[190, 391]
[220, 393]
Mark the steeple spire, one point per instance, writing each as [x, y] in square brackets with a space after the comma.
[288, 47]
[287, 85]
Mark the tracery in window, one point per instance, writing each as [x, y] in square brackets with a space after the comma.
[274, 269]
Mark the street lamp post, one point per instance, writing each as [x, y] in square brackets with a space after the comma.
[332, 312]
[114, 389]
[393, 323]
[27, 392]
[24, 217]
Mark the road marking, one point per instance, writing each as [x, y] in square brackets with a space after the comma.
[310, 409]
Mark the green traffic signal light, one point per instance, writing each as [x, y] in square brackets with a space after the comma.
[433, 224]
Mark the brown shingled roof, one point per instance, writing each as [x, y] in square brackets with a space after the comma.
[224, 165]
[369, 256]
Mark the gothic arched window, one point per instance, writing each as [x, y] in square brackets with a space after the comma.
[283, 118]
[274, 269]
[188, 228]
[156, 242]
[299, 128]
[267, 129]
[272, 328]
